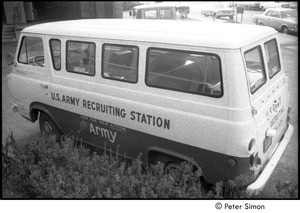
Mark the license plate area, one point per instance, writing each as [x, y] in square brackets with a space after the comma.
[267, 144]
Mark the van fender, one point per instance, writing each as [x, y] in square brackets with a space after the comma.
[37, 107]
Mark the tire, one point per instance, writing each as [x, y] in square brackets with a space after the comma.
[48, 127]
[285, 30]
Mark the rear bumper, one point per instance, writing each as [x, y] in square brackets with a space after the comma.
[258, 185]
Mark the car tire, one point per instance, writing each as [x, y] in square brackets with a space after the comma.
[48, 127]
[285, 30]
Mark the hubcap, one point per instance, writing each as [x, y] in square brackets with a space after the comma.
[48, 128]
[173, 171]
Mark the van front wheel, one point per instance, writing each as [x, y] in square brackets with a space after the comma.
[48, 127]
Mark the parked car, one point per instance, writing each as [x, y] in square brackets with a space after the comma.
[154, 11]
[294, 5]
[220, 10]
[267, 5]
[282, 19]
[247, 5]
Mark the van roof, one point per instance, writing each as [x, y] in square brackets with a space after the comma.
[193, 33]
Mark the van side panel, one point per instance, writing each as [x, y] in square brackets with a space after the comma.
[131, 143]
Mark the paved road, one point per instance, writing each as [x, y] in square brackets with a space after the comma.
[288, 165]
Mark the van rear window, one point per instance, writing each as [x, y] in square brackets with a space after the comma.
[255, 68]
[272, 57]
[190, 72]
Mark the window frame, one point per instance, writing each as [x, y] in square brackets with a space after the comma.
[189, 52]
[66, 57]
[137, 64]
[263, 71]
[51, 53]
[270, 77]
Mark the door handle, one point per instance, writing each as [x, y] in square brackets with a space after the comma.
[44, 85]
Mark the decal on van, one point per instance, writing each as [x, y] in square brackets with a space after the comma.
[101, 128]
[276, 109]
[139, 117]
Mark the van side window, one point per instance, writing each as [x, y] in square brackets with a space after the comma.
[151, 14]
[191, 72]
[32, 51]
[55, 48]
[165, 13]
[272, 57]
[81, 57]
[120, 62]
[255, 68]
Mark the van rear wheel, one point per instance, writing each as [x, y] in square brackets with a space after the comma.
[173, 170]
[48, 127]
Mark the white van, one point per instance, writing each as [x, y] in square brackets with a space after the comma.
[215, 95]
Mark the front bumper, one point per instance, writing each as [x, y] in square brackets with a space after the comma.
[258, 185]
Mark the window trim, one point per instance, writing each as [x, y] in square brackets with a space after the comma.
[189, 52]
[263, 71]
[270, 77]
[137, 65]
[66, 58]
[51, 51]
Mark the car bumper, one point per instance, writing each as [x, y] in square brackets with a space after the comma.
[258, 185]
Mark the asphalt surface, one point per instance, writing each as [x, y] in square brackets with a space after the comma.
[287, 168]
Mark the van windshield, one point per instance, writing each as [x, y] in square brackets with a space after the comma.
[32, 51]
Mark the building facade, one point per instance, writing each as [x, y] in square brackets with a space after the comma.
[18, 14]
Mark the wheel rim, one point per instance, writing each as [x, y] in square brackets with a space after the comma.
[47, 127]
[172, 170]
